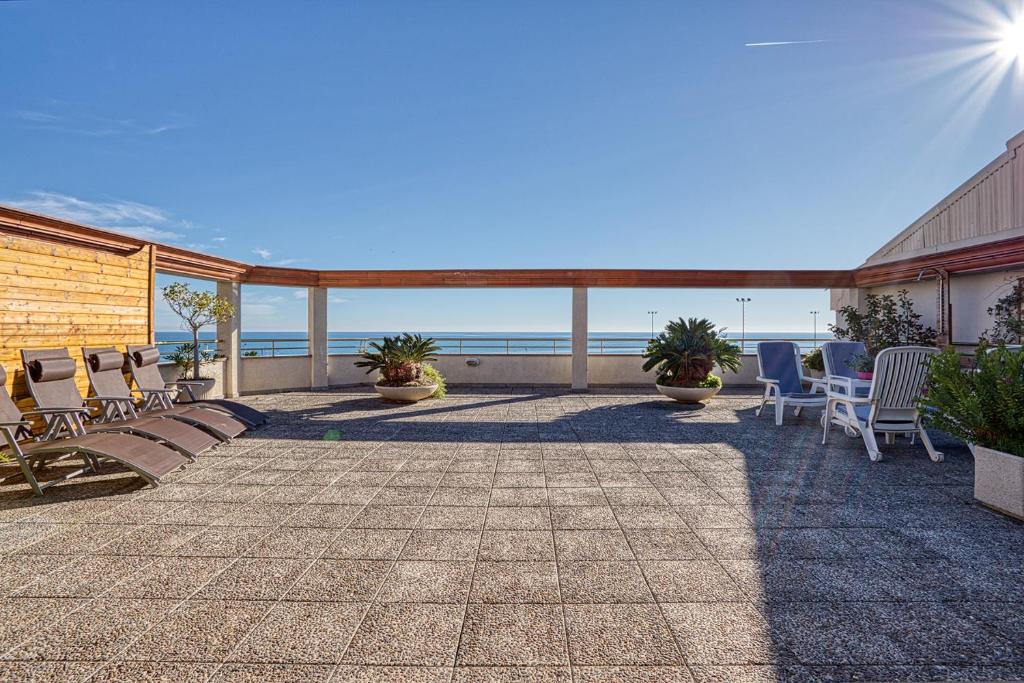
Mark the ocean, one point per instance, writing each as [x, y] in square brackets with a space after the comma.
[281, 343]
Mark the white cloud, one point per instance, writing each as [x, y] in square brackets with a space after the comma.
[299, 294]
[219, 239]
[129, 218]
[287, 261]
[337, 300]
[78, 123]
[262, 253]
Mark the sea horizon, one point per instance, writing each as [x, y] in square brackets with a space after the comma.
[291, 343]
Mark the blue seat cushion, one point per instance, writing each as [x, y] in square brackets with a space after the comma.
[862, 412]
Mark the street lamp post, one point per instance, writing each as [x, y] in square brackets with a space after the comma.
[652, 314]
[815, 314]
[743, 301]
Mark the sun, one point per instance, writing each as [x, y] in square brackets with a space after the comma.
[1011, 39]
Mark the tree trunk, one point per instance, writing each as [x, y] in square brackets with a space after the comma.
[195, 354]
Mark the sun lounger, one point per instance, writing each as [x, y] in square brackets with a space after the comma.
[148, 459]
[143, 359]
[836, 356]
[104, 366]
[50, 375]
[890, 407]
[781, 371]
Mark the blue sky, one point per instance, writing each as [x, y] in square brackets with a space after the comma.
[517, 134]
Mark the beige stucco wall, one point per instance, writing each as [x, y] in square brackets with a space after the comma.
[281, 373]
[970, 296]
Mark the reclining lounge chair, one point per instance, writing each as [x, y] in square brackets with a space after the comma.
[104, 366]
[781, 371]
[50, 375]
[836, 356]
[890, 407]
[146, 458]
[143, 359]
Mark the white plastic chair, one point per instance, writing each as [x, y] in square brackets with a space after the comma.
[780, 369]
[890, 407]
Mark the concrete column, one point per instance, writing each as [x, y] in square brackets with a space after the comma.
[229, 333]
[845, 297]
[316, 300]
[579, 338]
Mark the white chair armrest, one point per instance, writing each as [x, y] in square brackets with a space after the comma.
[765, 380]
[848, 398]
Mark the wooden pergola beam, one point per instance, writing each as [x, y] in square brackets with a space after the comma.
[180, 261]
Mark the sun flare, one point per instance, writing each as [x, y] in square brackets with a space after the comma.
[1011, 39]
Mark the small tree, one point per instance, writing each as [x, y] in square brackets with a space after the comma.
[887, 321]
[1007, 317]
[197, 309]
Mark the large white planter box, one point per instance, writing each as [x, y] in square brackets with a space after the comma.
[999, 481]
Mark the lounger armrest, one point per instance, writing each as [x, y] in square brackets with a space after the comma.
[185, 383]
[765, 380]
[848, 398]
[833, 381]
[57, 411]
[816, 384]
[112, 399]
[22, 423]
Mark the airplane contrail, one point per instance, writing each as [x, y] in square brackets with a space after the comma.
[784, 42]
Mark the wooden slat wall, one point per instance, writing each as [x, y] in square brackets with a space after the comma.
[54, 295]
[991, 202]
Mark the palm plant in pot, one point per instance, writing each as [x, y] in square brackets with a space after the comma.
[684, 356]
[985, 408]
[405, 373]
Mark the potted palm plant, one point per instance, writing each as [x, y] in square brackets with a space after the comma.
[405, 374]
[985, 408]
[684, 356]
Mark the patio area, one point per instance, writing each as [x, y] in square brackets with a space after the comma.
[522, 534]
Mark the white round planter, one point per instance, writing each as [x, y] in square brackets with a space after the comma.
[406, 394]
[999, 481]
[688, 395]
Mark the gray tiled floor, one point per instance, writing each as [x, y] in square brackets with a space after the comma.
[508, 535]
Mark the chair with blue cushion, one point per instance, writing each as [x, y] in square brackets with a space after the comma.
[836, 356]
[781, 371]
[890, 408]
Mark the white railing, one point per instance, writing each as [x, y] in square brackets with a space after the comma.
[455, 345]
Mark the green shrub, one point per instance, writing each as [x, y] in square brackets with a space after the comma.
[984, 406]
[184, 356]
[433, 376]
[887, 321]
[1008, 321]
[400, 359]
[814, 361]
[712, 381]
[687, 351]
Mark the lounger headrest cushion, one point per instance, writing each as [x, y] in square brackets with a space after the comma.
[51, 369]
[147, 356]
[101, 361]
